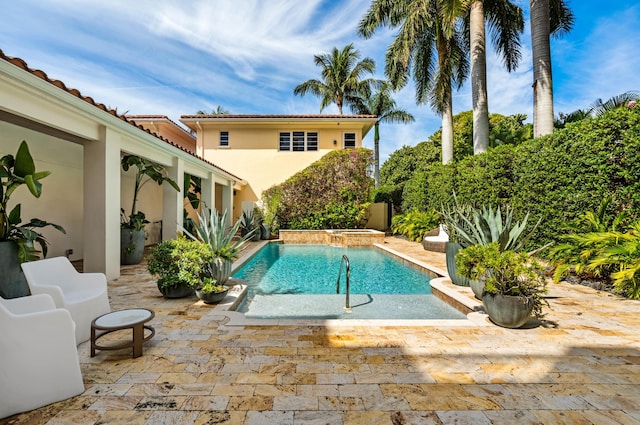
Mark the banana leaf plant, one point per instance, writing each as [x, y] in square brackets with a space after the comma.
[146, 171]
[15, 172]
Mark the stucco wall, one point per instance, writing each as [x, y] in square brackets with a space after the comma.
[61, 201]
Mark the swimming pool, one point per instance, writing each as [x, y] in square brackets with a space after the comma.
[280, 271]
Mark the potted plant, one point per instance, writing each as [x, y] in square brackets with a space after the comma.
[211, 229]
[132, 234]
[17, 239]
[210, 291]
[468, 226]
[180, 265]
[514, 283]
[250, 226]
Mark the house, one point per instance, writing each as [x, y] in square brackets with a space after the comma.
[267, 149]
[81, 142]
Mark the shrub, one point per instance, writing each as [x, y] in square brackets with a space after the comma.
[415, 224]
[333, 192]
[179, 262]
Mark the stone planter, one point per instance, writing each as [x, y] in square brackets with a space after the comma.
[175, 291]
[265, 234]
[477, 286]
[12, 281]
[212, 297]
[506, 310]
[131, 246]
[221, 270]
[451, 249]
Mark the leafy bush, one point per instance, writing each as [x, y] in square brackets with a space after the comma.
[332, 193]
[415, 224]
[601, 246]
[179, 262]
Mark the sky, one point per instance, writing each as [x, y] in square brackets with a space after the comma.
[173, 58]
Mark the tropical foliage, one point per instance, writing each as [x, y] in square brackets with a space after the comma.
[381, 104]
[332, 193]
[415, 224]
[429, 46]
[599, 245]
[146, 171]
[15, 172]
[342, 78]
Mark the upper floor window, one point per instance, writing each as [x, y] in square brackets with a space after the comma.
[298, 141]
[224, 138]
[349, 140]
[285, 141]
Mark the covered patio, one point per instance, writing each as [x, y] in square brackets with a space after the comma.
[583, 366]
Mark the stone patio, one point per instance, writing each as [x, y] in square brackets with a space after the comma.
[581, 367]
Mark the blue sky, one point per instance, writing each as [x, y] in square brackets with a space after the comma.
[177, 57]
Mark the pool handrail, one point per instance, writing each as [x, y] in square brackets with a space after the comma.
[344, 260]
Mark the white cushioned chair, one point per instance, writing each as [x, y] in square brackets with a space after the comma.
[39, 360]
[83, 294]
[436, 239]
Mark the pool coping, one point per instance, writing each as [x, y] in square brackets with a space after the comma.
[441, 287]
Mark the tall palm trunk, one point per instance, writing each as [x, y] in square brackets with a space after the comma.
[376, 154]
[447, 132]
[479, 78]
[542, 82]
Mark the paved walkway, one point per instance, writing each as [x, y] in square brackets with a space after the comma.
[582, 367]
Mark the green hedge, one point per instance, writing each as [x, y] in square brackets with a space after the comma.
[556, 177]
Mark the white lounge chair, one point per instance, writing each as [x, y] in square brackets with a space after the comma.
[39, 360]
[83, 294]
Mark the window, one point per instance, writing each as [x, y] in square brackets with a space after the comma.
[312, 141]
[285, 141]
[349, 140]
[298, 141]
[224, 138]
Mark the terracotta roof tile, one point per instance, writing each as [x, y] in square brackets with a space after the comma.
[20, 63]
[160, 118]
[276, 116]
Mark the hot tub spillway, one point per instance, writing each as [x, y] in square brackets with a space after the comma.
[345, 260]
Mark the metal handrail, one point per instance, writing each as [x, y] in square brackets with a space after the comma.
[344, 260]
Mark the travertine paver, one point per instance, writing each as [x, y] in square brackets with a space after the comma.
[582, 366]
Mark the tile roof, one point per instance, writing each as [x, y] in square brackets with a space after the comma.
[20, 63]
[158, 118]
[278, 116]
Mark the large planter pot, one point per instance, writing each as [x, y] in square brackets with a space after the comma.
[131, 246]
[451, 249]
[265, 234]
[477, 286]
[12, 281]
[506, 310]
[212, 297]
[175, 291]
[221, 270]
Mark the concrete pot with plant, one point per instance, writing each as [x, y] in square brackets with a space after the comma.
[514, 283]
[17, 239]
[132, 226]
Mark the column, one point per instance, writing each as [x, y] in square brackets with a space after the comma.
[101, 190]
[173, 201]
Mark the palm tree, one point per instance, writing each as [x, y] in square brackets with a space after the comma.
[505, 25]
[382, 105]
[599, 107]
[342, 73]
[218, 111]
[548, 17]
[430, 45]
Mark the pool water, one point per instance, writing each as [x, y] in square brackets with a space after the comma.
[299, 281]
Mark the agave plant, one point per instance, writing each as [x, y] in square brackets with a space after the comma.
[225, 245]
[470, 226]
